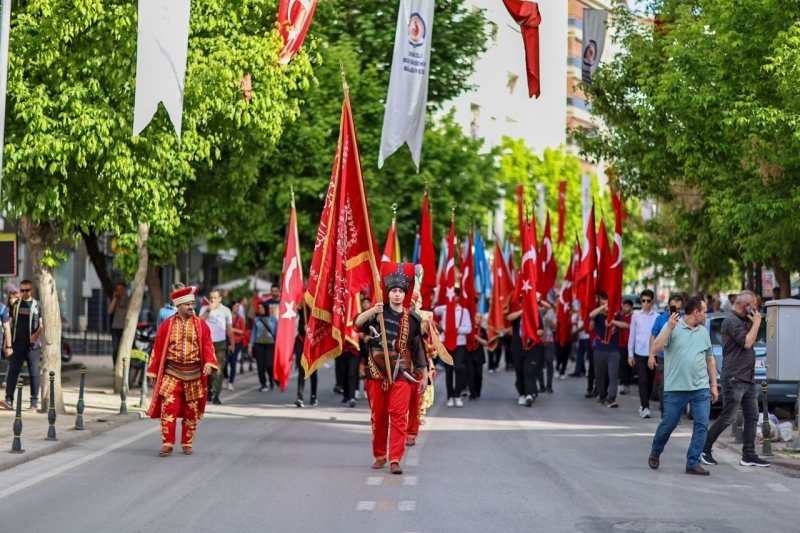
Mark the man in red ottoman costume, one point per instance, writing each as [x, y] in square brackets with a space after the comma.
[183, 358]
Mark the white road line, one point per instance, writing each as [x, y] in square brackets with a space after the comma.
[777, 487]
[374, 481]
[366, 506]
[77, 462]
[410, 480]
[407, 505]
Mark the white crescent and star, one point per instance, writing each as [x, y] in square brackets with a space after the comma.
[618, 243]
[290, 312]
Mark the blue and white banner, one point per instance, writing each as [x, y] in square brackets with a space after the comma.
[406, 103]
[594, 38]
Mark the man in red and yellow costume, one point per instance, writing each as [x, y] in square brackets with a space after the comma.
[183, 358]
[389, 401]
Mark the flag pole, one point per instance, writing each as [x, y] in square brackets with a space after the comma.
[373, 264]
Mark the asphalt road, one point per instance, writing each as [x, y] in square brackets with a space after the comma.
[261, 464]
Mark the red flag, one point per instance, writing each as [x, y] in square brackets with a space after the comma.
[467, 297]
[603, 259]
[512, 267]
[525, 292]
[294, 18]
[451, 336]
[586, 277]
[344, 254]
[427, 256]
[562, 210]
[549, 269]
[353, 309]
[391, 251]
[565, 300]
[291, 298]
[502, 289]
[614, 276]
[526, 14]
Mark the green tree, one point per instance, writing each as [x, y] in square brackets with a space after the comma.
[71, 163]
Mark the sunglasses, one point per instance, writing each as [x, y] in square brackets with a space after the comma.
[25, 290]
[646, 300]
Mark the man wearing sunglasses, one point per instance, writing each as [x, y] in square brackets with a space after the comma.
[25, 331]
[639, 349]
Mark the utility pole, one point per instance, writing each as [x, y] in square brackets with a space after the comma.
[5, 30]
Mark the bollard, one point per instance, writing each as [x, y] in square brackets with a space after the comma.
[81, 405]
[16, 445]
[739, 426]
[241, 362]
[766, 448]
[143, 396]
[123, 408]
[51, 413]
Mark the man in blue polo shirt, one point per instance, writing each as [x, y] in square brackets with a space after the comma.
[690, 378]
[676, 300]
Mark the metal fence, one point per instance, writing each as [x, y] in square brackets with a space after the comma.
[88, 342]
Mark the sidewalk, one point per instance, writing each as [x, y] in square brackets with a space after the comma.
[101, 413]
[784, 460]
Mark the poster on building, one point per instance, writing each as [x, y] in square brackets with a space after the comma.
[767, 282]
[594, 38]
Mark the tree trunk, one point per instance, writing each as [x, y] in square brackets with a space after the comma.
[783, 277]
[134, 306]
[694, 273]
[708, 283]
[40, 242]
[98, 260]
[155, 289]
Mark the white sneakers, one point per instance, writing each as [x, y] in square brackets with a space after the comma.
[230, 386]
[450, 402]
[459, 403]
[358, 394]
[645, 413]
[521, 400]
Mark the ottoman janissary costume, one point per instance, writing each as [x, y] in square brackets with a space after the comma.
[407, 358]
[182, 357]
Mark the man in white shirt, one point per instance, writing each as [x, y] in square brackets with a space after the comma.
[220, 322]
[454, 375]
[639, 349]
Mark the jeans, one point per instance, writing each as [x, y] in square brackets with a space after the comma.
[674, 404]
[660, 370]
[230, 361]
[546, 373]
[220, 351]
[606, 364]
[22, 354]
[582, 350]
[735, 392]
[646, 379]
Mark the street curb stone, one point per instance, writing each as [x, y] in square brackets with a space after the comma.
[789, 470]
[88, 433]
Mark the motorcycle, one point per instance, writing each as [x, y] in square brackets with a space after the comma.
[140, 354]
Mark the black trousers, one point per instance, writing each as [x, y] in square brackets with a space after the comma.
[646, 379]
[349, 381]
[506, 342]
[546, 374]
[454, 375]
[528, 367]
[22, 354]
[301, 377]
[495, 355]
[116, 338]
[590, 375]
[562, 357]
[265, 358]
[473, 370]
[625, 370]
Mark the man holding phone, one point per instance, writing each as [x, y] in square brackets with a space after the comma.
[739, 332]
[675, 305]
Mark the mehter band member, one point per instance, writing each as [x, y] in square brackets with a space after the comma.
[183, 358]
[408, 364]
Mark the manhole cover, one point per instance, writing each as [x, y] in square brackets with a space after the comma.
[657, 527]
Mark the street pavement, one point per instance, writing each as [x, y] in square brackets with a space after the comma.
[262, 464]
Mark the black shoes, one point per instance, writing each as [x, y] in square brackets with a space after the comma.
[299, 402]
[216, 401]
[653, 461]
[314, 400]
[697, 471]
[708, 459]
[754, 461]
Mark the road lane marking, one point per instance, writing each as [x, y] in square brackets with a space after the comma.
[374, 481]
[777, 487]
[410, 480]
[365, 506]
[407, 506]
[384, 505]
[77, 462]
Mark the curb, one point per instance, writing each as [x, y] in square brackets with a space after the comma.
[62, 445]
[785, 470]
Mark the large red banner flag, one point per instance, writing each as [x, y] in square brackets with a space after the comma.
[502, 289]
[586, 277]
[291, 299]
[549, 269]
[526, 14]
[562, 210]
[344, 253]
[467, 297]
[294, 18]
[614, 283]
[565, 301]
[525, 296]
[427, 256]
[450, 335]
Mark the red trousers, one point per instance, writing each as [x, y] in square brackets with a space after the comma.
[388, 405]
[414, 403]
[173, 407]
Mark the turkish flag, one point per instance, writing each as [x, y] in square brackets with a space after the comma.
[294, 18]
[526, 14]
[586, 277]
[565, 300]
[391, 251]
[344, 253]
[525, 297]
[427, 256]
[467, 297]
[291, 299]
[614, 275]
[549, 268]
[441, 276]
[450, 333]
[562, 210]
[502, 289]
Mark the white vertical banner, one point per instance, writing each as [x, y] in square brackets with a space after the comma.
[162, 50]
[540, 188]
[594, 38]
[406, 102]
[586, 199]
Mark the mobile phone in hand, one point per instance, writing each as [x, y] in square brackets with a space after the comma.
[749, 311]
[672, 310]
